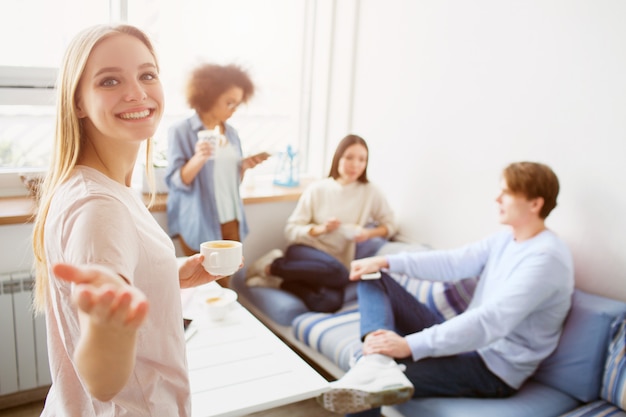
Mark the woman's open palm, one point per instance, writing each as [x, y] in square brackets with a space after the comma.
[104, 296]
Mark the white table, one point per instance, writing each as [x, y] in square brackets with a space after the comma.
[238, 366]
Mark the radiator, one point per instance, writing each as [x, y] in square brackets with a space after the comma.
[23, 351]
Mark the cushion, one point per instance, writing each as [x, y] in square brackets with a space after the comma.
[369, 247]
[396, 247]
[280, 306]
[614, 380]
[577, 364]
[532, 400]
[336, 335]
[448, 299]
[596, 409]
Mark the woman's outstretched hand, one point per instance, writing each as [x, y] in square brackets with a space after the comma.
[104, 296]
[110, 312]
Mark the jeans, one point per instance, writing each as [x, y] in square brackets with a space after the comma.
[462, 375]
[317, 278]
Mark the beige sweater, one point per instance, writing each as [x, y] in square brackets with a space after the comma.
[355, 203]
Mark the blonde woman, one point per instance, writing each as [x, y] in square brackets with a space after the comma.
[107, 276]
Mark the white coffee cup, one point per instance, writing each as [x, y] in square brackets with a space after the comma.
[211, 136]
[218, 302]
[349, 231]
[221, 257]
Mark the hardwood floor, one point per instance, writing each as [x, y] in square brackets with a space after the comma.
[306, 408]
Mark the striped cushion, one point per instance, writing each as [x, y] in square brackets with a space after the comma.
[596, 409]
[337, 336]
[446, 298]
[614, 380]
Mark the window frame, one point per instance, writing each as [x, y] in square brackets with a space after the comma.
[27, 85]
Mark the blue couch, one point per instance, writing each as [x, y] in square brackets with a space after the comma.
[571, 377]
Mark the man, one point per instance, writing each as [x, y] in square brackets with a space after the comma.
[513, 322]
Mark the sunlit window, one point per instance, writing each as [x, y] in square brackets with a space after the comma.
[264, 37]
[35, 34]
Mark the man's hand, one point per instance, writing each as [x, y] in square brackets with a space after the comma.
[387, 343]
[367, 266]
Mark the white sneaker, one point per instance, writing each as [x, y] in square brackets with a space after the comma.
[258, 267]
[269, 281]
[374, 381]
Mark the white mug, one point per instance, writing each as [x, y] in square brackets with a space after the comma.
[221, 257]
[213, 137]
[218, 302]
[349, 231]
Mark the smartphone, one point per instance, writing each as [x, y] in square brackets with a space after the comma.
[373, 275]
[189, 331]
[263, 155]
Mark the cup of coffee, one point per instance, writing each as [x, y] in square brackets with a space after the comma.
[221, 257]
[218, 302]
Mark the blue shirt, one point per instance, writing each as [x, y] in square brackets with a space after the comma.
[192, 209]
[516, 315]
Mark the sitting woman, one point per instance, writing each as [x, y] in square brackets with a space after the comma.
[336, 220]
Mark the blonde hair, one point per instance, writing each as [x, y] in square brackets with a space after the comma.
[69, 138]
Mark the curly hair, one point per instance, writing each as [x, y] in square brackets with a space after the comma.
[208, 82]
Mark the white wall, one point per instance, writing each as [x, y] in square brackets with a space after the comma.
[447, 93]
[16, 248]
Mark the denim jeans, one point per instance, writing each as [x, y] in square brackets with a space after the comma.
[317, 278]
[463, 375]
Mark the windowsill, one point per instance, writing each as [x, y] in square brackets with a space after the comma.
[21, 209]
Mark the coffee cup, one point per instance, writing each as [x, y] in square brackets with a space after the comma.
[221, 257]
[349, 231]
[211, 136]
[218, 302]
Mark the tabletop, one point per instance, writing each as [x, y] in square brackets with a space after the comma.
[237, 366]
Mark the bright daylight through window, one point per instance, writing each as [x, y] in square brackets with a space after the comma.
[248, 33]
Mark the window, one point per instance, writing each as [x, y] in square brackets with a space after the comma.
[265, 38]
[36, 33]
